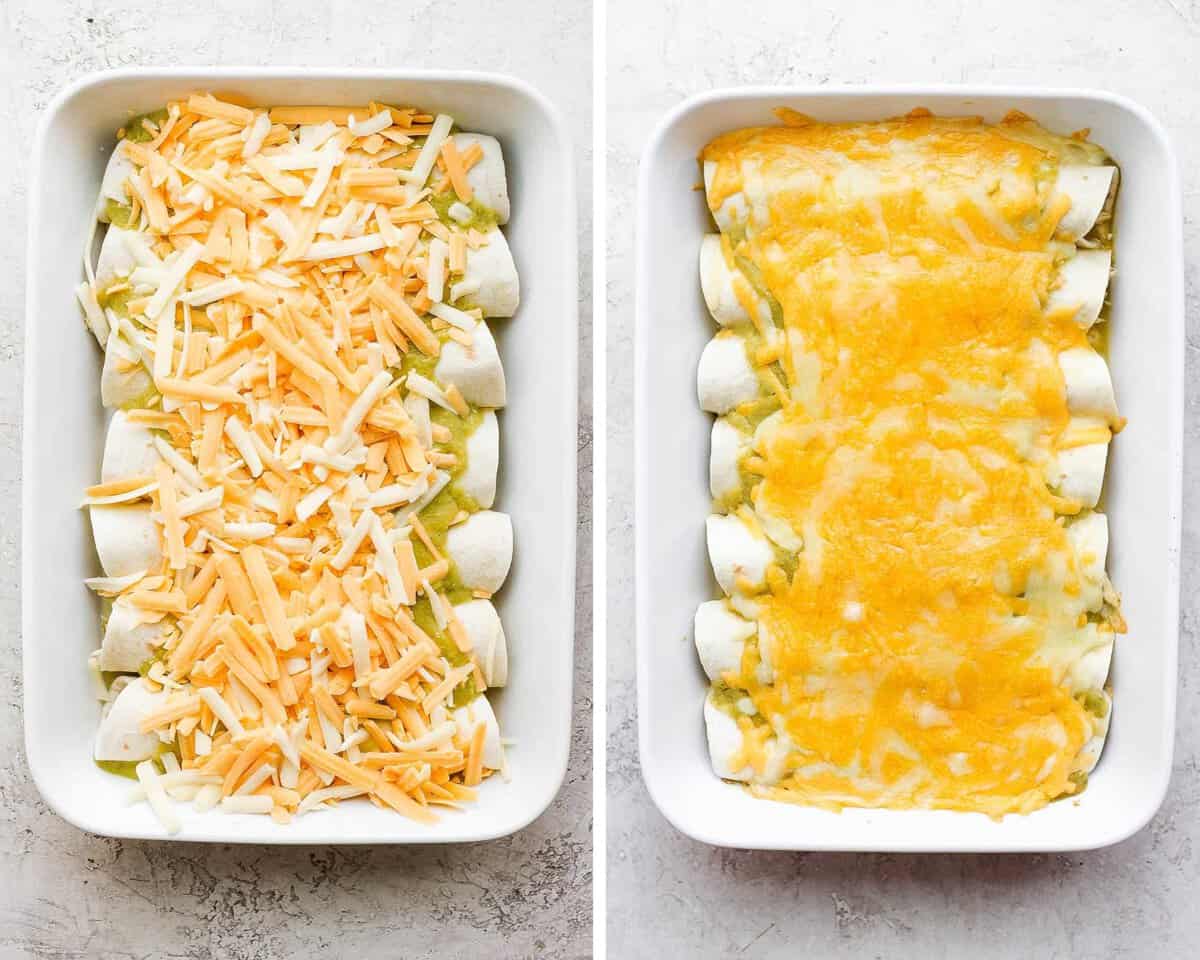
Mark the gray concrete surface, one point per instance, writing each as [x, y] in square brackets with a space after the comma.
[1134, 900]
[64, 894]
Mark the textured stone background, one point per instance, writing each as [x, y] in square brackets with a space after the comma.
[64, 894]
[1135, 900]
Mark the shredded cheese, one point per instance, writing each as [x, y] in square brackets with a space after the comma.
[289, 268]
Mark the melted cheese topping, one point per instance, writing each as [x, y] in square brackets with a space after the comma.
[284, 326]
[920, 639]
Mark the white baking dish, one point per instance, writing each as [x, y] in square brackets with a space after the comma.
[1142, 488]
[64, 432]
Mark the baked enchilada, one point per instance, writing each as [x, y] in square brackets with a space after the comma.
[913, 414]
[294, 508]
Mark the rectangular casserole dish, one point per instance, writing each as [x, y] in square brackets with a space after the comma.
[1142, 488]
[63, 436]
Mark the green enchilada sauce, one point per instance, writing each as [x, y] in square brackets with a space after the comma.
[116, 297]
[119, 214]
[437, 517]
[725, 698]
[110, 676]
[1080, 779]
[746, 419]
[122, 768]
[158, 656]
[466, 691]
[460, 429]
[416, 362]
[482, 219]
[1093, 703]
[128, 768]
[136, 132]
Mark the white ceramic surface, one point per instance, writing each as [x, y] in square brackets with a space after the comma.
[63, 434]
[1142, 489]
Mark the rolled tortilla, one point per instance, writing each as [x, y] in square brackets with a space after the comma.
[475, 370]
[719, 282]
[482, 623]
[120, 736]
[119, 255]
[725, 747]
[490, 281]
[724, 377]
[724, 743]
[733, 210]
[481, 548]
[1087, 187]
[720, 636]
[128, 643]
[478, 479]
[126, 538]
[1089, 385]
[728, 445]
[128, 449]
[1088, 536]
[487, 177]
[112, 187]
[1090, 671]
[1082, 286]
[417, 407]
[469, 717]
[1089, 756]
[1078, 473]
[124, 379]
[734, 550]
